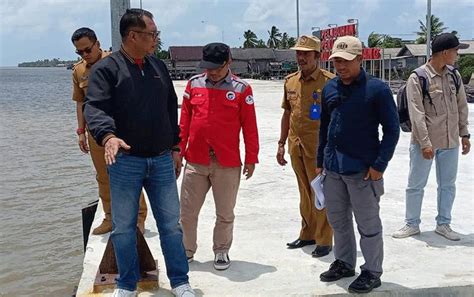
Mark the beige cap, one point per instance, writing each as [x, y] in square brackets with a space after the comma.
[346, 47]
[307, 43]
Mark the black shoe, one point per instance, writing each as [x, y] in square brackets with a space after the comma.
[321, 251]
[365, 283]
[300, 243]
[337, 270]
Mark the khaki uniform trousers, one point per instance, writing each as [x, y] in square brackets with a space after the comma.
[314, 223]
[97, 155]
[197, 181]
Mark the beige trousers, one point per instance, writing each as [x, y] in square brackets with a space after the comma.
[197, 181]
[314, 222]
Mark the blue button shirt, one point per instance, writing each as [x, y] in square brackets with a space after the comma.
[349, 132]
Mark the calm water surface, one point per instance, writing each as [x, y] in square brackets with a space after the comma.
[45, 182]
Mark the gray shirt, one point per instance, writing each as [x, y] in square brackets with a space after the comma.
[441, 124]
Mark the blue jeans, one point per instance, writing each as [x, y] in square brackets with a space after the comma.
[156, 174]
[446, 170]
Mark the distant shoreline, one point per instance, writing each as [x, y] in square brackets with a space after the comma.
[49, 63]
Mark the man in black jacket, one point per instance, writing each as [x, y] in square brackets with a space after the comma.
[131, 109]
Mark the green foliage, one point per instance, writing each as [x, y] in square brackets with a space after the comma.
[48, 63]
[276, 40]
[383, 41]
[251, 40]
[261, 44]
[291, 42]
[391, 42]
[284, 41]
[436, 29]
[275, 37]
[161, 54]
[466, 67]
[375, 39]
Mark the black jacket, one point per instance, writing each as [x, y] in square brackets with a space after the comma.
[138, 106]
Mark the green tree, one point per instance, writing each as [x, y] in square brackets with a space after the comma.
[275, 37]
[250, 39]
[383, 41]
[291, 42]
[261, 44]
[375, 39]
[437, 27]
[284, 41]
[391, 42]
[466, 67]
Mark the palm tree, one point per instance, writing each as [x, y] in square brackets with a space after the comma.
[274, 39]
[291, 42]
[436, 29]
[250, 39]
[284, 41]
[261, 44]
[375, 39]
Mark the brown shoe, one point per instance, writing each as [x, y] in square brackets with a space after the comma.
[141, 227]
[103, 228]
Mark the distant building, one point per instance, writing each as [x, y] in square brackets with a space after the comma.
[246, 62]
[184, 61]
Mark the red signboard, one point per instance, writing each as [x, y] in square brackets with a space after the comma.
[329, 36]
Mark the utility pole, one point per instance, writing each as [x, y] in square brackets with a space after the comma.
[117, 10]
[297, 19]
[428, 29]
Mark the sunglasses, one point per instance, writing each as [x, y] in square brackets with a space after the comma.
[86, 50]
[153, 34]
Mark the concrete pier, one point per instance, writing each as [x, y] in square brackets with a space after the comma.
[267, 217]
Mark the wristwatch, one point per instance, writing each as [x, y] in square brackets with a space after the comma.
[468, 136]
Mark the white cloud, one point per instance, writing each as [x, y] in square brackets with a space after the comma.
[166, 12]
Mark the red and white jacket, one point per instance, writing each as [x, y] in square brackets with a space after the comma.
[212, 116]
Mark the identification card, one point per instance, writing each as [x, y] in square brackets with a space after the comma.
[315, 111]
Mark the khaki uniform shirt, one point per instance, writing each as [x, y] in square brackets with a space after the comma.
[80, 77]
[298, 99]
[441, 124]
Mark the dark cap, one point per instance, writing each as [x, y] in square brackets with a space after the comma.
[214, 55]
[446, 41]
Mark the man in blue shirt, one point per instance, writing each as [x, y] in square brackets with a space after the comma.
[354, 159]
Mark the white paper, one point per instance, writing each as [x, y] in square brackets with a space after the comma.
[317, 186]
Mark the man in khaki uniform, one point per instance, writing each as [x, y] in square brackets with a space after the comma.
[88, 47]
[440, 129]
[300, 124]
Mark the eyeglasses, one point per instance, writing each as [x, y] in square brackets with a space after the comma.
[153, 34]
[86, 50]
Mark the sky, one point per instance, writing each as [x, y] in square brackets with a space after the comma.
[33, 30]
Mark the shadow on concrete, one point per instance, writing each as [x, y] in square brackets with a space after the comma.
[390, 289]
[434, 240]
[326, 259]
[239, 271]
[165, 292]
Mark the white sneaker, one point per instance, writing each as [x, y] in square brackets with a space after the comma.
[183, 291]
[446, 231]
[406, 231]
[124, 293]
[221, 261]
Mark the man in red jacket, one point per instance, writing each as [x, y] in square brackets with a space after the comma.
[216, 106]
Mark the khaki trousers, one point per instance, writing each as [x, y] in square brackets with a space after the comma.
[97, 155]
[197, 181]
[314, 223]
